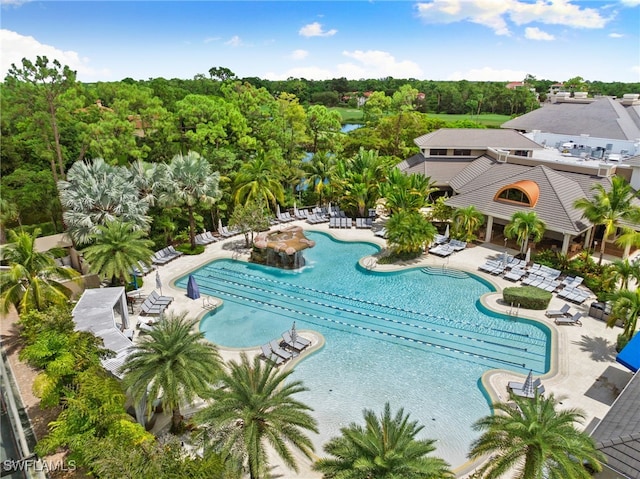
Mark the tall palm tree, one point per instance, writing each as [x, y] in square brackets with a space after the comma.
[319, 170]
[33, 280]
[259, 179]
[534, 440]
[408, 192]
[172, 363]
[116, 251]
[525, 225]
[191, 183]
[254, 407]
[96, 193]
[610, 208]
[624, 270]
[466, 222]
[409, 231]
[625, 308]
[385, 448]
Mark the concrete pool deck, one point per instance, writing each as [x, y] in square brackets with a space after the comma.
[583, 372]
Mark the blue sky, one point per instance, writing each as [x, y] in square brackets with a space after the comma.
[476, 40]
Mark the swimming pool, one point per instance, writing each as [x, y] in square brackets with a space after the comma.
[418, 340]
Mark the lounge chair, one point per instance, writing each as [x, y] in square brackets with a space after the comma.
[515, 274]
[558, 313]
[157, 299]
[283, 353]
[270, 355]
[572, 321]
[518, 385]
[174, 252]
[539, 389]
[298, 345]
[381, 233]
[149, 308]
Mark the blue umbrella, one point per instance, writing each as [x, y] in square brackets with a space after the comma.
[193, 291]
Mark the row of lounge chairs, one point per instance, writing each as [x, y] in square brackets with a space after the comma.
[165, 255]
[285, 217]
[290, 346]
[563, 316]
[317, 218]
[205, 238]
[155, 304]
[336, 222]
[449, 248]
[575, 295]
[517, 388]
[225, 232]
[364, 223]
[142, 269]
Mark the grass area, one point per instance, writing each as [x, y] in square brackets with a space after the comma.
[354, 115]
[487, 119]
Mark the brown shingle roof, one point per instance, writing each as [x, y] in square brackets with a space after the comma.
[441, 170]
[483, 178]
[476, 138]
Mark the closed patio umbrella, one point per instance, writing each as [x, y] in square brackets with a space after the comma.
[220, 225]
[193, 291]
[527, 387]
[158, 282]
[527, 257]
[294, 334]
[446, 232]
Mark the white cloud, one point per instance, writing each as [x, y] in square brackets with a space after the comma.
[488, 74]
[379, 64]
[315, 30]
[534, 33]
[630, 3]
[299, 54]
[14, 47]
[364, 64]
[234, 41]
[616, 35]
[211, 39]
[13, 3]
[495, 13]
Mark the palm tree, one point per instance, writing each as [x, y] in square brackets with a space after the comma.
[408, 232]
[624, 270]
[96, 193]
[525, 225]
[255, 407]
[191, 183]
[319, 170]
[610, 208]
[625, 308]
[409, 192]
[172, 363]
[466, 222]
[33, 280]
[385, 447]
[116, 251]
[534, 440]
[258, 180]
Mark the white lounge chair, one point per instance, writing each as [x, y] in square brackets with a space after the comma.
[558, 313]
[270, 356]
[283, 353]
[572, 321]
[298, 345]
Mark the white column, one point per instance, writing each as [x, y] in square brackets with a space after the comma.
[487, 236]
[566, 239]
[587, 237]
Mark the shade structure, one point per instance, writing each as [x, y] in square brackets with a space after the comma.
[158, 282]
[193, 291]
[527, 388]
[629, 357]
[527, 257]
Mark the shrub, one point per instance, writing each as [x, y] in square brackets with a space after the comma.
[528, 297]
[621, 342]
[186, 248]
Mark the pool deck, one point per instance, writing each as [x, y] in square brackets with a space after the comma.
[583, 372]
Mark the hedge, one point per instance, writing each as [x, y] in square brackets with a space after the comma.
[528, 297]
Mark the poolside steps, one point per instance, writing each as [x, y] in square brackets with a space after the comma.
[440, 271]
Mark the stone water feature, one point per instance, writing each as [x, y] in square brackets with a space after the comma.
[281, 248]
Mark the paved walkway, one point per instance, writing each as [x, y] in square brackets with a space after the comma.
[583, 372]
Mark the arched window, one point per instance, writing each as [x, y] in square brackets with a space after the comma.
[525, 192]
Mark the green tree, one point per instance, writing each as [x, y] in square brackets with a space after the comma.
[466, 222]
[258, 179]
[624, 270]
[171, 363]
[33, 280]
[376, 105]
[116, 250]
[255, 406]
[408, 232]
[534, 440]
[250, 218]
[406, 192]
[97, 193]
[324, 125]
[43, 85]
[191, 183]
[385, 448]
[625, 308]
[609, 208]
[32, 193]
[318, 172]
[525, 226]
[8, 214]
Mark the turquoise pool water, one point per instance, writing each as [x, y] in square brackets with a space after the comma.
[418, 340]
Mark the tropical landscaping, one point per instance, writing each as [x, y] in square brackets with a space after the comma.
[126, 168]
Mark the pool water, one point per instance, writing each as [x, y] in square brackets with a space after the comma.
[420, 340]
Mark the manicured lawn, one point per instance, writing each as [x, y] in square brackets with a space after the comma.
[488, 119]
[349, 115]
